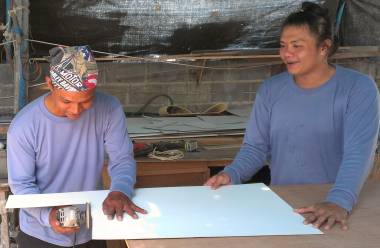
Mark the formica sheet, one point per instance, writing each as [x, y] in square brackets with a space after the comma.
[53, 199]
[184, 212]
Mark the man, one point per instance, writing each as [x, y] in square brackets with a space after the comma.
[57, 144]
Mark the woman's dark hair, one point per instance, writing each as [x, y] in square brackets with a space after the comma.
[317, 19]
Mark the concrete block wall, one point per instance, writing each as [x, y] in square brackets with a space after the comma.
[134, 83]
[6, 89]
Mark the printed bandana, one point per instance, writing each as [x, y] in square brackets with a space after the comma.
[73, 68]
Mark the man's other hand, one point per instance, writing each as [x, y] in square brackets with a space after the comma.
[117, 203]
[54, 223]
[325, 215]
[218, 180]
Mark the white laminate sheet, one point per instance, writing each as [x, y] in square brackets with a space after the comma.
[185, 212]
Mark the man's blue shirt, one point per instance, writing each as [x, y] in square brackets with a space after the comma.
[51, 154]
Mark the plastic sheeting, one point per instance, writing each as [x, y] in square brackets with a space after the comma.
[361, 23]
[160, 26]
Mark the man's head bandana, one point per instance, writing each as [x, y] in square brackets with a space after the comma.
[73, 68]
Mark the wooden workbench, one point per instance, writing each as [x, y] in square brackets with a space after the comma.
[364, 224]
[192, 170]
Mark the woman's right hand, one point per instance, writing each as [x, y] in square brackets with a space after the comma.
[218, 180]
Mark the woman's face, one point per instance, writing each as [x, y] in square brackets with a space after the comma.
[299, 50]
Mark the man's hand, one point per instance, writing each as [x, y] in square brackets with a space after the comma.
[218, 180]
[117, 203]
[54, 223]
[325, 214]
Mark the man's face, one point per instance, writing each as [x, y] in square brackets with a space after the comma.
[71, 104]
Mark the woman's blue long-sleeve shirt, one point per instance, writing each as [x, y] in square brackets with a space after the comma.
[313, 136]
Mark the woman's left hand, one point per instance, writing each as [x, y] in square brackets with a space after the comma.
[325, 215]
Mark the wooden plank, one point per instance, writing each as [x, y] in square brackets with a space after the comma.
[164, 174]
[151, 169]
[116, 244]
[4, 227]
[4, 128]
[256, 54]
[375, 172]
[183, 176]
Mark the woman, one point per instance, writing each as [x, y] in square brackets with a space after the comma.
[316, 123]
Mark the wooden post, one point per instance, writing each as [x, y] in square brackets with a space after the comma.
[20, 28]
[19, 14]
[4, 227]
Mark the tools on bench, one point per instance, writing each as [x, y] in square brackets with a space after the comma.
[144, 149]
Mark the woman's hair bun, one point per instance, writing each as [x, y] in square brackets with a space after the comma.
[314, 8]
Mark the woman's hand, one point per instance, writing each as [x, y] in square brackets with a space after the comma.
[325, 215]
[218, 180]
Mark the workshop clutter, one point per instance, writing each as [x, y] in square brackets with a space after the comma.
[173, 110]
[164, 150]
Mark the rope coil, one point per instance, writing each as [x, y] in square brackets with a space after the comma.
[168, 155]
